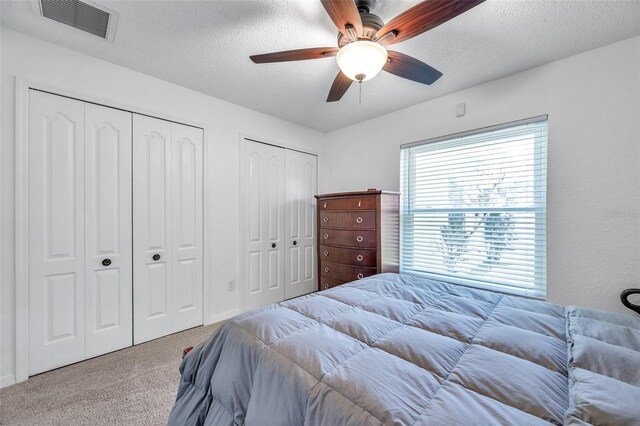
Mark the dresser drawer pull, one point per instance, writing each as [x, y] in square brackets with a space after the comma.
[360, 276]
[326, 286]
[359, 258]
[358, 238]
[325, 206]
[326, 269]
[359, 219]
[326, 253]
[359, 203]
[325, 219]
[326, 236]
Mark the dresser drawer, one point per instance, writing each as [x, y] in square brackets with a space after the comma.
[355, 203]
[326, 283]
[348, 220]
[344, 273]
[348, 238]
[355, 257]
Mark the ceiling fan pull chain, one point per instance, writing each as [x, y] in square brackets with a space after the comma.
[360, 78]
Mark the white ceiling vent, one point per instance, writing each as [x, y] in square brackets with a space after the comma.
[82, 15]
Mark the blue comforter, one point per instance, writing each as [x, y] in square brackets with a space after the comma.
[396, 349]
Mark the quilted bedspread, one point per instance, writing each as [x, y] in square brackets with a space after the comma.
[396, 349]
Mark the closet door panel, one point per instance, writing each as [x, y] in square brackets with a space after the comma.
[254, 225]
[187, 145]
[274, 223]
[301, 186]
[263, 220]
[56, 231]
[152, 251]
[108, 231]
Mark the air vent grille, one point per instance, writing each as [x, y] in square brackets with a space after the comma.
[77, 14]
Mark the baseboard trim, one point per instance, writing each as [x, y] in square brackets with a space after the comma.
[223, 316]
[7, 380]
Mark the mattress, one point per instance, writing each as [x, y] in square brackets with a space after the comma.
[400, 350]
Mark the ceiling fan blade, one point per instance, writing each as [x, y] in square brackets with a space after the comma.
[410, 68]
[339, 87]
[345, 16]
[295, 55]
[422, 17]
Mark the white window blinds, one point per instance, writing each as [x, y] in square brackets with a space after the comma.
[473, 208]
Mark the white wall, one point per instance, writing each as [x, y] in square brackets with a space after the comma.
[37, 60]
[593, 205]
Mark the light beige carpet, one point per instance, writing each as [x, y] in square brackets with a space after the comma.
[133, 386]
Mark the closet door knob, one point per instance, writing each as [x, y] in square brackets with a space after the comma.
[295, 243]
[273, 245]
[156, 257]
[106, 262]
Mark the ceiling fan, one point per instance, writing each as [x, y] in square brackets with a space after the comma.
[363, 38]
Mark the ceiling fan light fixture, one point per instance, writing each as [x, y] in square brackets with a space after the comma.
[361, 60]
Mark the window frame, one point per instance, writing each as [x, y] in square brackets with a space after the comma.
[539, 210]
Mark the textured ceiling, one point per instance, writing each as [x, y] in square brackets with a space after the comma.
[205, 46]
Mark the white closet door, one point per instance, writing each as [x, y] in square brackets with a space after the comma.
[187, 227]
[107, 229]
[152, 254]
[301, 172]
[263, 219]
[56, 232]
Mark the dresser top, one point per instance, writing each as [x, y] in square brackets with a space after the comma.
[356, 193]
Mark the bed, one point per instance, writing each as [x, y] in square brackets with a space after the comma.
[397, 349]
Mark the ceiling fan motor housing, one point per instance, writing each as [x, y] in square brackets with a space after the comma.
[365, 6]
[370, 25]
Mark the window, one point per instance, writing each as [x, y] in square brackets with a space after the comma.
[473, 208]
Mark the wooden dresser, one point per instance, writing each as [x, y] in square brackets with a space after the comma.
[358, 236]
